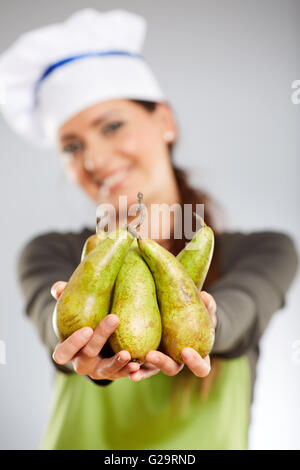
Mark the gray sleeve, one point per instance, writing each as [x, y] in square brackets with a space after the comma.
[43, 261]
[257, 270]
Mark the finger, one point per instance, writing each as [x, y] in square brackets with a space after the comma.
[57, 289]
[124, 372]
[133, 367]
[211, 306]
[198, 365]
[87, 365]
[66, 350]
[84, 365]
[130, 368]
[109, 367]
[165, 363]
[101, 334]
[146, 371]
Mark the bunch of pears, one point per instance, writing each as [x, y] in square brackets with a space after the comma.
[155, 294]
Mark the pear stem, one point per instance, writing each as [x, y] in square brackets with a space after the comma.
[98, 220]
[141, 211]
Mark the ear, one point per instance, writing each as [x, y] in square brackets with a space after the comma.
[166, 119]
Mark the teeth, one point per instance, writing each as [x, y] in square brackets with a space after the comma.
[105, 185]
[114, 179]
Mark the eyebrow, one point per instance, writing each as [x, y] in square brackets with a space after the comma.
[93, 123]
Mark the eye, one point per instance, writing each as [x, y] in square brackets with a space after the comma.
[112, 127]
[73, 148]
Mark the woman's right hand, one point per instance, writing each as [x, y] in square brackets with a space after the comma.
[83, 349]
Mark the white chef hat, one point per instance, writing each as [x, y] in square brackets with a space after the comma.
[50, 74]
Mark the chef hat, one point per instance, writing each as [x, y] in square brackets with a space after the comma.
[50, 74]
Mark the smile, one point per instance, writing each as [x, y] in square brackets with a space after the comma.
[114, 181]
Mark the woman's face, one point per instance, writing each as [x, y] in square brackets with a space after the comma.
[118, 148]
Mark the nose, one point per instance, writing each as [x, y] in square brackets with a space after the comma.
[96, 153]
[88, 162]
[93, 159]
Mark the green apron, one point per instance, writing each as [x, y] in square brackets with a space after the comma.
[160, 412]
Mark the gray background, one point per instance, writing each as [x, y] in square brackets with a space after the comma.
[227, 67]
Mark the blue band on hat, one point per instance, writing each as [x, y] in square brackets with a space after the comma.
[85, 55]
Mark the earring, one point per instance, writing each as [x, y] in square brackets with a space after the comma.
[169, 136]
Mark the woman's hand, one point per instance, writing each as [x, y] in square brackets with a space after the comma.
[157, 361]
[82, 348]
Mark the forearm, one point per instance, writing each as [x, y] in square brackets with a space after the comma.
[41, 315]
[40, 263]
[251, 290]
[234, 333]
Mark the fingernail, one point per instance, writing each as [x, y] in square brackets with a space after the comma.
[87, 332]
[59, 357]
[112, 321]
[53, 292]
[55, 356]
[155, 359]
[211, 304]
[187, 354]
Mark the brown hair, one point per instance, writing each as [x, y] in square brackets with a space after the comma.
[191, 195]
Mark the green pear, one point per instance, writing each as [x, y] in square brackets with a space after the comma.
[197, 255]
[91, 242]
[86, 298]
[185, 319]
[135, 303]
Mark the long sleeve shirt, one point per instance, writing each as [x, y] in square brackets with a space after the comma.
[256, 271]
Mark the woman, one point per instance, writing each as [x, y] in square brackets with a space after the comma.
[97, 100]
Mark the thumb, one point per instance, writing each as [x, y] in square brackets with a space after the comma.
[211, 305]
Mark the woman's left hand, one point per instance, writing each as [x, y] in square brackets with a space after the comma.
[157, 361]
